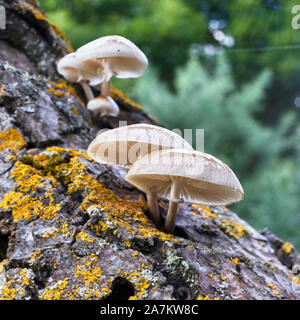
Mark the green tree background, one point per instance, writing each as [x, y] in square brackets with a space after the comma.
[231, 67]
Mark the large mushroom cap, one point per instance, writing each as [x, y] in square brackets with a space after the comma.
[71, 70]
[202, 178]
[126, 144]
[112, 56]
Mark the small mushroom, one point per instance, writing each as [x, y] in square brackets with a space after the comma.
[185, 175]
[111, 56]
[70, 69]
[125, 145]
[105, 106]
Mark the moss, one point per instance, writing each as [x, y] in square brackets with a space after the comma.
[11, 139]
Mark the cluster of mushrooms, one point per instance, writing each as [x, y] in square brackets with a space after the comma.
[96, 63]
[161, 163]
[165, 166]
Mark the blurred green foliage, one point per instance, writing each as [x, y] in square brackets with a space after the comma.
[245, 102]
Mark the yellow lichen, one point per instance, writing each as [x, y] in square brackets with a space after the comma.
[2, 91]
[40, 16]
[55, 292]
[235, 261]
[223, 278]
[62, 89]
[83, 236]
[272, 286]
[287, 247]
[234, 229]
[26, 206]
[35, 254]
[11, 139]
[15, 287]
[200, 297]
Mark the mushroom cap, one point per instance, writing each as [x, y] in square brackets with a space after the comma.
[111, 56]
[104, 106]
[201, 178]
[71, 70]
[124, 145]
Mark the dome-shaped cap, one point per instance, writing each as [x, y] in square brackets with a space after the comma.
[71, 70]
[112, 56]
[124, 145]
[201, 177]
[104, 106]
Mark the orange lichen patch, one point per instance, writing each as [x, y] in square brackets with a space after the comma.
[272, 286]
[141, 284]
[295, 279]
[56, 291]
[232, 228]
[16, 286]
[206, 298]
[287, 247]
[121, 212]
[62, 89]
[2, 91]
[40, 16]
[83, 236]
[205, 212]
[235, 261]
[75, 110]
[215, 263]
[135, 253]
[11, 139]
[21, 200]
[35, 254]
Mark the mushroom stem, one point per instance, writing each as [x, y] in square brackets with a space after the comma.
[106, 88]
[87, 90]
[153, 208]
[173, 205]
[171, 217]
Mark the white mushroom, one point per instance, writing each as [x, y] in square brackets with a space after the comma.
[104, 106]
[185, 175]
[70, 69]
[111, 56]
[125, 145]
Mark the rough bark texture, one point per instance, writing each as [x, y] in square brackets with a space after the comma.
[74, 229]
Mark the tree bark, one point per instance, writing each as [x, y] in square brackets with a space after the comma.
[71, 228]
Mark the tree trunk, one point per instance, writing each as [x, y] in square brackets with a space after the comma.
[71, 228]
